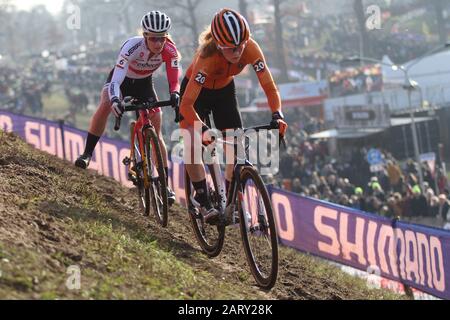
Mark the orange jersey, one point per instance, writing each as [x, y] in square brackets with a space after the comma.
[216, 72]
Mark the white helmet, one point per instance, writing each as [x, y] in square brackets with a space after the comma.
[156, 22]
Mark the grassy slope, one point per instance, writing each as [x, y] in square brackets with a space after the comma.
[53, 216]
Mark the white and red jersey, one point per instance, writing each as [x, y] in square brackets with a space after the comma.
[136, 61]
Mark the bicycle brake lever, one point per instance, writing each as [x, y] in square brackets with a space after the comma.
[117, 124]
[283, 142]
[177, 115]
[274, 125]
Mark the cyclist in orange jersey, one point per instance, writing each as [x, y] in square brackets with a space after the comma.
[226, 48]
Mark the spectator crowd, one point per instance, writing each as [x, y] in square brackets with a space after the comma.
[308, 169]
[355, 80]
[22, 89]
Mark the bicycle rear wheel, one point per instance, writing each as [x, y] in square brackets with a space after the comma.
[258, 228]
[209, 237]
[158, 186]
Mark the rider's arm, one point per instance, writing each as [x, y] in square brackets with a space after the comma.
[171, 58]
[120, 70]
[193, 89]
[265, 78]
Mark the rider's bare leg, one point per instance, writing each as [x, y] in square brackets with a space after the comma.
[194, 165]
[100, 117]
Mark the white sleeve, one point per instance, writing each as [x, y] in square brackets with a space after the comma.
[119, 74]
[121, 69]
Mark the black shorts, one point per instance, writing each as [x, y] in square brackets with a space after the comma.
[222, 103]
[141, 89]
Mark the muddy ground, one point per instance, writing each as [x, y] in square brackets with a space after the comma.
[42, 198]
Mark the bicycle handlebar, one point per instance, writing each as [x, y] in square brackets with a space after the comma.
[131, 105]
[272, 126]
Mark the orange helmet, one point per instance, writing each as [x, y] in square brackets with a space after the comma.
[229, 28]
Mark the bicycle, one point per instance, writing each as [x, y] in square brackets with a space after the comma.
[257, 228]
[144, 145]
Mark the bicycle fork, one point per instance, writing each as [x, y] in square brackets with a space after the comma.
[237, 196]
[141, 165]
[132, 174]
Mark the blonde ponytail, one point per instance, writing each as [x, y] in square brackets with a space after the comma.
[207, 46]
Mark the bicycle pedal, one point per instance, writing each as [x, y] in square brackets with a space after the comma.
[194, 211]
[231, 219]
[155, 180]
[217, 221]
[132, 179]
[126, 161]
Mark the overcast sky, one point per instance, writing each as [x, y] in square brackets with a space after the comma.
[54, 6]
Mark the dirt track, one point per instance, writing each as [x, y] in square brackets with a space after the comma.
[40, 195]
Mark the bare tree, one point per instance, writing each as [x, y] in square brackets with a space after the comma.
[125, 9]
[438, 6]
[3, 14]
[358, 7]
[187, 16]
[5, 18]
[279, 42]
[4, 4]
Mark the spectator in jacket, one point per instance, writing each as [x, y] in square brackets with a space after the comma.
[433, 208]
[418, 203]
[395, 175]
[444, 208]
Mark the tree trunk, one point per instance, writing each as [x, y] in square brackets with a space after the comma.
[358, 6]
[279, 42]
[438, 9]
[192, 9]
[126, 17]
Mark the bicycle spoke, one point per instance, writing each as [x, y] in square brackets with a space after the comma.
[259, 234]
[158, 185]
[143, 194]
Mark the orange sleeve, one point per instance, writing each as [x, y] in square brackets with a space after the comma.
[191, 93]
[265, 78]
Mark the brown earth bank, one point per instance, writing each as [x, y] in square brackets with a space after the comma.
[54, 216]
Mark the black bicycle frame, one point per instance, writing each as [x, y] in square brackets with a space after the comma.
[235, 180]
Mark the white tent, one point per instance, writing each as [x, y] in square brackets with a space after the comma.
[431, 71]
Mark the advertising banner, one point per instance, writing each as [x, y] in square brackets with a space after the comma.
[414, 255]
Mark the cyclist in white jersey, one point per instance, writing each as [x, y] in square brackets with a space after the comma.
[139, 58]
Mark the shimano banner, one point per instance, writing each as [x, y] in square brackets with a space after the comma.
[68, 143]
[415, 255]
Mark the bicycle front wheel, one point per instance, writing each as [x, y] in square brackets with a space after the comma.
[258, 230]
[138, 176]
[158, 186]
